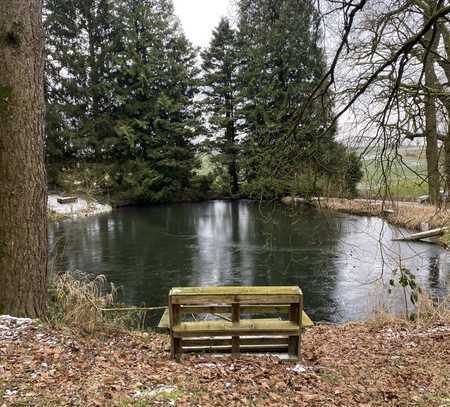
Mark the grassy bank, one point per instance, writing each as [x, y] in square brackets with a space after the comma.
[404, 214]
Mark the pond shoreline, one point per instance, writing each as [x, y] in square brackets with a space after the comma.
[408, 215]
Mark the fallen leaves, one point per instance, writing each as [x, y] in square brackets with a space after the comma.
[348, 365]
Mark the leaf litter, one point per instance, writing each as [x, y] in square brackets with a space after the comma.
[356, 364]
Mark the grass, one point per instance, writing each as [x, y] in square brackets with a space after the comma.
[427, 312]
[77, 300]
[405, 215]
[405, 177]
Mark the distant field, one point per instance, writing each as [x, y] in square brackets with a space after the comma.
[404, 174]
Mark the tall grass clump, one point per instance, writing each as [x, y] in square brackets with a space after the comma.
[77, 299]
[432, 312]
[90, 304]
[427, 312]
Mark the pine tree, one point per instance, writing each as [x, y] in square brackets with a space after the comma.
[156, 117]
[282, 61]
[79, 47]
[220, 70]
[121, 81]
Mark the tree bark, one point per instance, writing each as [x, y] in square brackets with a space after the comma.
[230, 135]
[432, 150]
[23, 192]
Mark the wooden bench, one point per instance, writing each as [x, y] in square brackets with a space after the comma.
[67, 200]
[236, 334]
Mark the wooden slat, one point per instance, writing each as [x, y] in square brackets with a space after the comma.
[206, 309]
[226, 291]
[230, 299]
[244, 341]
[221, 309]
[245, 327]
[163, 325]
[227, 349]
[265, 308]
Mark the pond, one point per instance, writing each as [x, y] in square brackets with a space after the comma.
[343, 263]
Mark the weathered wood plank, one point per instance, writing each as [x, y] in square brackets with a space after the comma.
[244, 348]
[163, 325]
[244, 341]
[248, 299]
[222, 309]
[245, 327]
[306, 320]
[231, 290]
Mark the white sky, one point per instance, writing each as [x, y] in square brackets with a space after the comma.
[200, 17]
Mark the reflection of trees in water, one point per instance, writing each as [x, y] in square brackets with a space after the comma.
[150, 250]
[364, 269]
[243, 243]
[222, 233]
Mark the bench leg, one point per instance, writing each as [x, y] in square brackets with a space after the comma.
[294, 347]
[176, 349]
[295, 315]
[235, 317]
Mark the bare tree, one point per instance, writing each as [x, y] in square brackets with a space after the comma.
[385, 65]
[23, 196]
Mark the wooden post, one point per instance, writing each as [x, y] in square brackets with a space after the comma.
[235, 318]
[174, 317]
[301, 327]
[295, 316]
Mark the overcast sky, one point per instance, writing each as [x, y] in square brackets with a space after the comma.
[200, 17]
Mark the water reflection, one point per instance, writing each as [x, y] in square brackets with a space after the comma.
[343, 263]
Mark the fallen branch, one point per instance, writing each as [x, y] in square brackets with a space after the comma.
[422, 235]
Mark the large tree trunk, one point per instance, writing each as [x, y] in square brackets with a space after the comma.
[445, 99]
[23, 196]
[432, 150]
[230, 135]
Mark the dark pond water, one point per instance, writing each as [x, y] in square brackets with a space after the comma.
[343, 263]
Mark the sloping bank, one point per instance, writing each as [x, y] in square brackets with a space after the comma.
[409, 215]
[356, 364]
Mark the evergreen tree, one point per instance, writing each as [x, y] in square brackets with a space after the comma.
[120, 85]
[282, 61]
[79, 47]
[156, 117]
[220, 70]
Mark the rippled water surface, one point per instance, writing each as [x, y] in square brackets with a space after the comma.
[343, 263]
